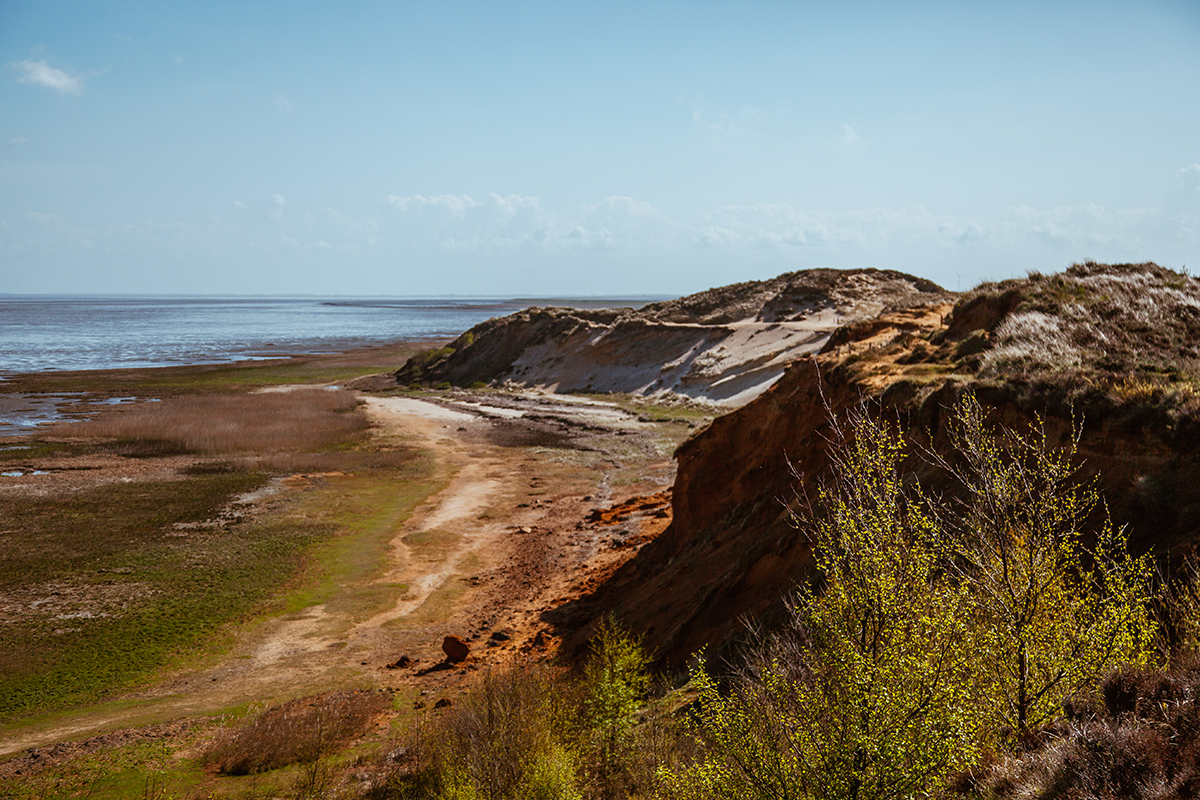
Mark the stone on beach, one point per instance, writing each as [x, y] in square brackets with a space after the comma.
[456, 649]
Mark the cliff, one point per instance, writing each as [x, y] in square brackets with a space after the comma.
[725, 345]
[1113, 349]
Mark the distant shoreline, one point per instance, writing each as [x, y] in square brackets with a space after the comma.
[79, 333]
[31, 400]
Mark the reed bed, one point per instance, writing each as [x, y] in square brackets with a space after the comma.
[301, 420]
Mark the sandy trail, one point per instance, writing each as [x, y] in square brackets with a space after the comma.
[458, 506]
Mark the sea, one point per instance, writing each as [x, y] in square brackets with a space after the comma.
[40, 333]
[54, 332]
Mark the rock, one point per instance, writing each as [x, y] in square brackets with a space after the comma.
[501, 636]
[456, 649]
[400, 663]
[443, 703]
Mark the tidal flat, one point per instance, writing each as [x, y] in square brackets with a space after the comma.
[238, 536]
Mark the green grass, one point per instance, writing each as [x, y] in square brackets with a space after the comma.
[109, 591]
[366, 510]
[161, 597]
[317, 369]
[120, 772]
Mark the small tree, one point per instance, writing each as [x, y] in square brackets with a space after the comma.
[870, 693]
[1059, 609]
[616, 678]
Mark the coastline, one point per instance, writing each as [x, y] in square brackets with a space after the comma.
[32, 399]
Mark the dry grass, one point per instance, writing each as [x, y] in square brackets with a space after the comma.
[1114, 318]
[269, 422]
[299, 731]
[1143, 742]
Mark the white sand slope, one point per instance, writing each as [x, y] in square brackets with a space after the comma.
[724, 346]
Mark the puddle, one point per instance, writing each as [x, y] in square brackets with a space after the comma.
[112, 401]
[22, 414]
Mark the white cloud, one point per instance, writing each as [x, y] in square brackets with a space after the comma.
[457, 205]
[18, 140]
[39, 73]
[278, 201]
[283, 104]
[849, 137]
[1191, 177]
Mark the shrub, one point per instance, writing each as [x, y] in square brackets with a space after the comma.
[302, 730]
[1058, 608]
[1143, 742]
[615, 680]
[504, 739]
[933, 626]
[540, 734]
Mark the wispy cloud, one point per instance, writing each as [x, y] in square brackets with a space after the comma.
[722, 125]
[1191, 177]
[913, 238]
[456, 204]
[283, 104]
[39, 73]
[849, 137]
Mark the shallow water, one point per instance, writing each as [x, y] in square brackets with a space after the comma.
[41, 333]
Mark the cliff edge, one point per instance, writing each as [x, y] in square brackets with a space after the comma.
[1114, 349]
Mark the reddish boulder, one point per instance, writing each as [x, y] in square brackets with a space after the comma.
[456, 649]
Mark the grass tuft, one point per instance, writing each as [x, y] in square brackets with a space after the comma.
[299, 731]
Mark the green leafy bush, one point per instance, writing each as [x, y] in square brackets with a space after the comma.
[935, 627]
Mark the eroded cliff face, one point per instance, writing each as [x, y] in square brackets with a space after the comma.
[732, 553]
[724, 346]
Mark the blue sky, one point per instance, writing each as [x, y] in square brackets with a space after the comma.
[529, 149]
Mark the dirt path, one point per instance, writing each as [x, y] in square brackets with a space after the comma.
[481, 559]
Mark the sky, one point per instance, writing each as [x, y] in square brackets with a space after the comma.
[562, 148]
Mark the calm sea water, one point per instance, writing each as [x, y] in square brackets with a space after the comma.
[40, 333]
